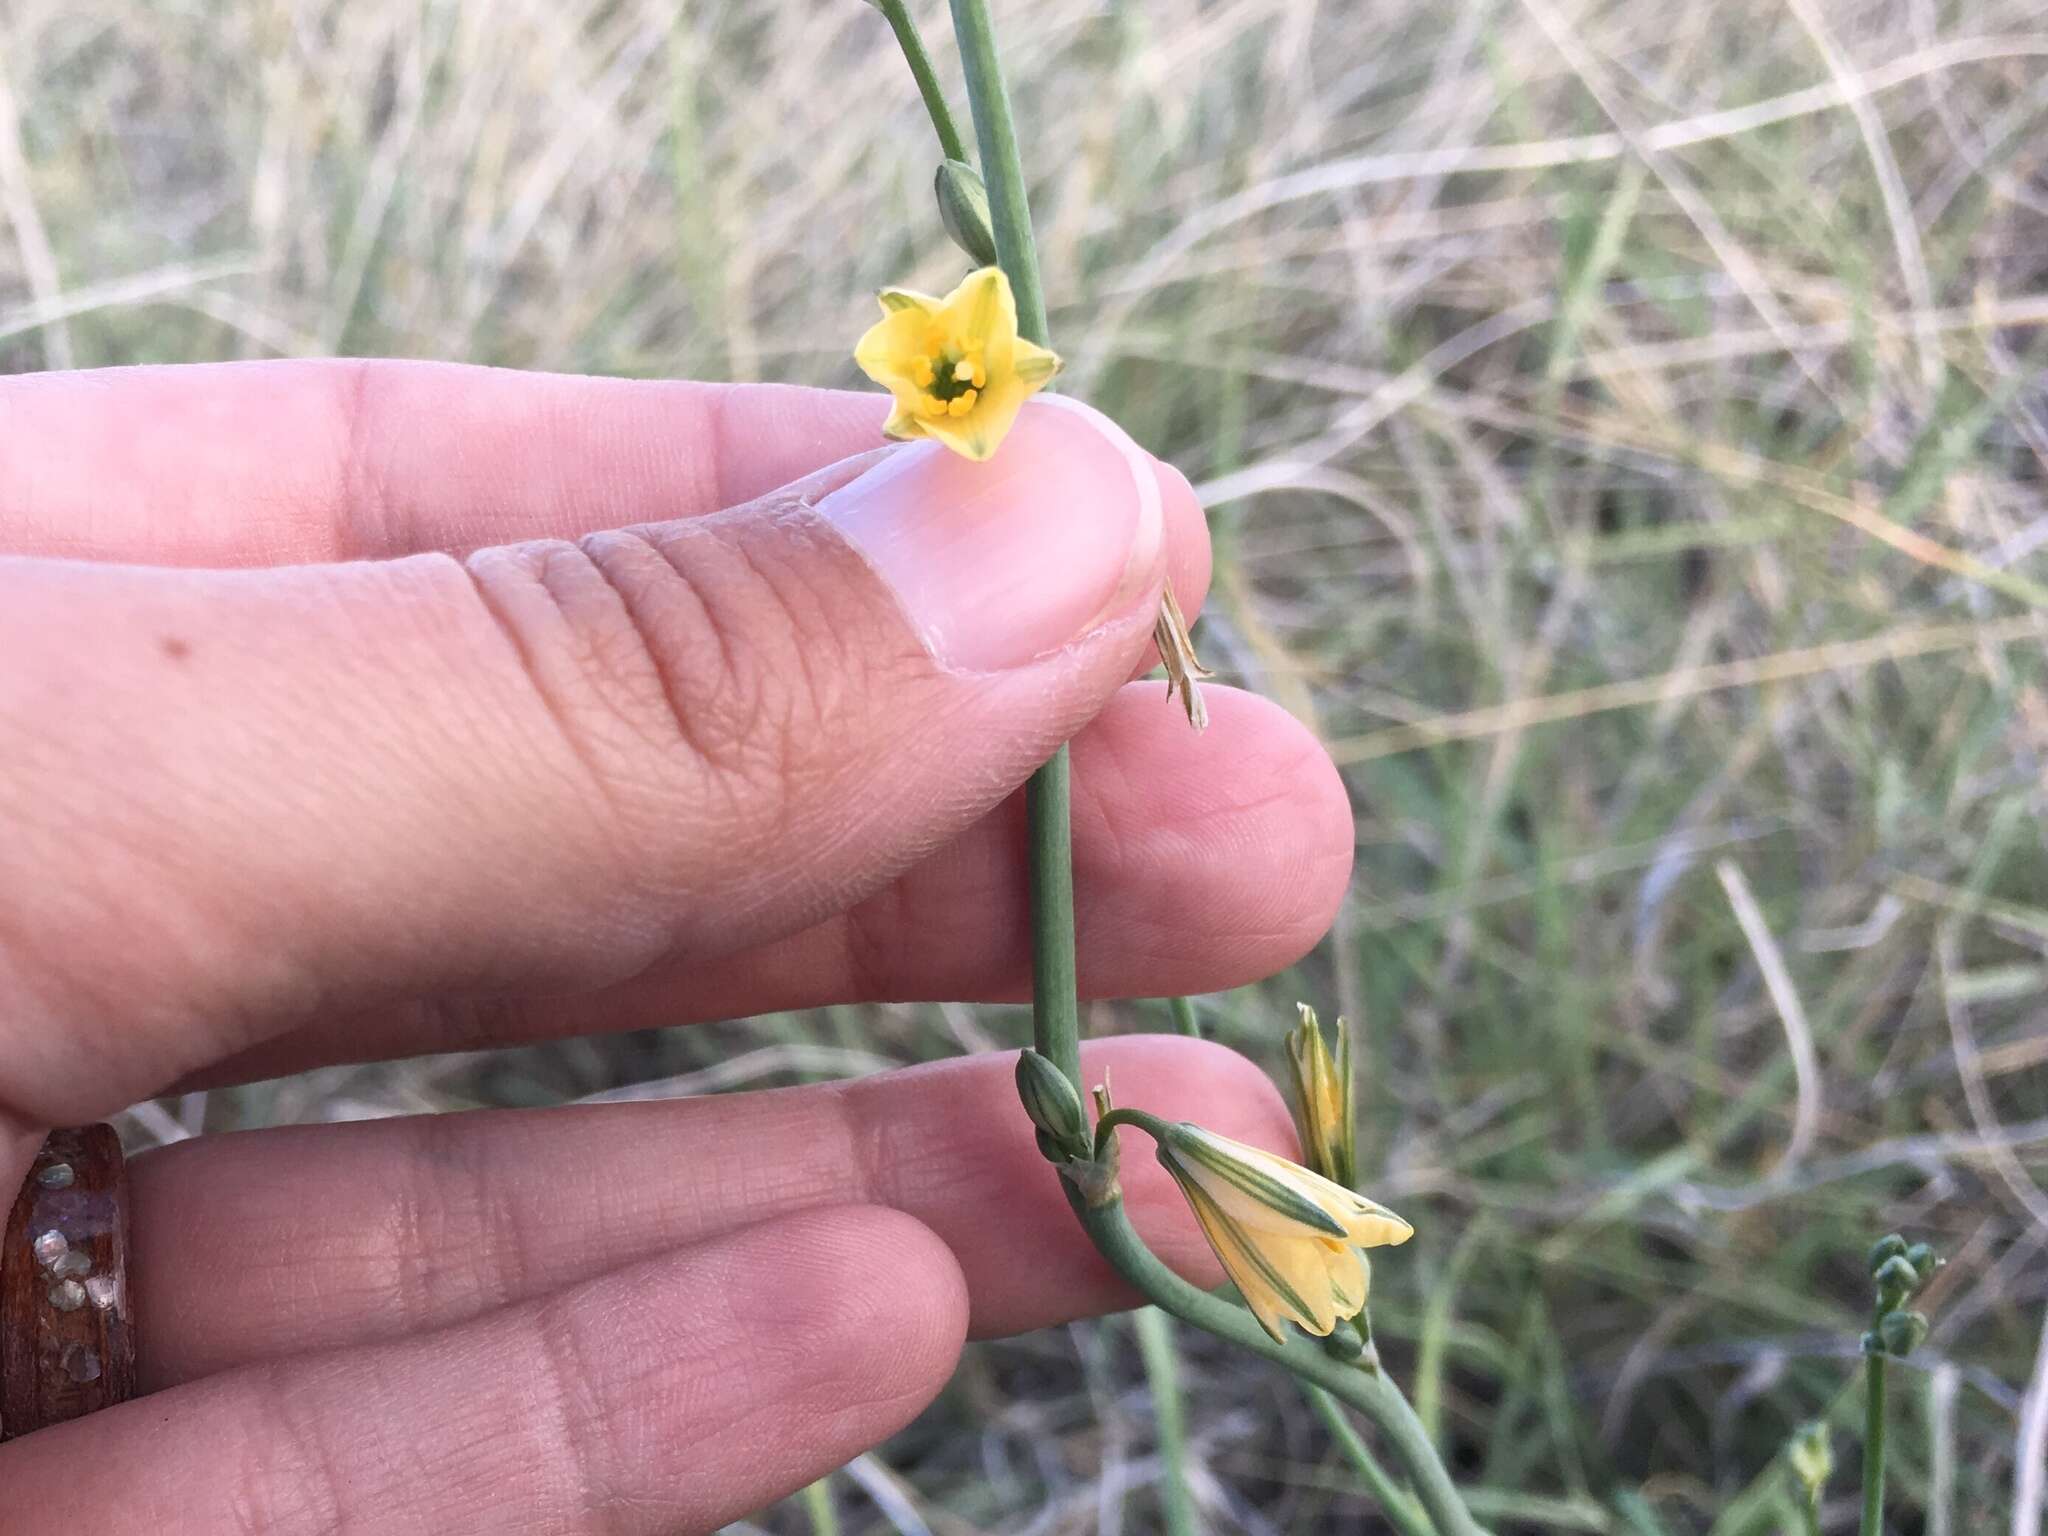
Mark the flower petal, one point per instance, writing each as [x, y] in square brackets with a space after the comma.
[1263, 1191]
[1033, 364]
[995, 412]
[894, 299]
[1350, 1280]
[1266, 1289]
[903, 425]
[969, 435]
[888, 350]
[982, 309]
[1349, 1214]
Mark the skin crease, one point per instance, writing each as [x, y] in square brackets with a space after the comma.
[620, 1318]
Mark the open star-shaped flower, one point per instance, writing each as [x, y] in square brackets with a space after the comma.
[957, 368]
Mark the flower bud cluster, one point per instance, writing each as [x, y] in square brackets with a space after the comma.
[1899, 1271]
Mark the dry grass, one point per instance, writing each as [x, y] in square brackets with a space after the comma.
[1624, 438]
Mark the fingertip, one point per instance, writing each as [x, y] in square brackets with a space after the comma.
[1247, 840]
[1188, 553]
[1027, 556]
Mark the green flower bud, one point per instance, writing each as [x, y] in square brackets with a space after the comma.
[1053, 1105]
[963, 209]
[1902, 1332]
[1811, 1456]
[1924, 1259]
[1324, 1116]
[1890, 1246]
[1344, 1342]
[1896, 1280]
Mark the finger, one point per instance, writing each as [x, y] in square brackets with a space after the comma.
[280, 463]
[1201, 863]
[665, 1398]
[255, 1245]
[293, 792]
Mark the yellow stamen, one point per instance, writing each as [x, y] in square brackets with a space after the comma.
[932, 405]
[980, 375]
[963, 372]
[960, 405]
[921, 370]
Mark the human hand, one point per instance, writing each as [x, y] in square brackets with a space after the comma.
[334, 725]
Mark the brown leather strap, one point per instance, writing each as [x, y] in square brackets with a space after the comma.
[67, 1335]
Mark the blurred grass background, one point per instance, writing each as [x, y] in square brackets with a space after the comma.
[1625, 442]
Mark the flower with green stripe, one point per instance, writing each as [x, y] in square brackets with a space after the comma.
[1291, 1241]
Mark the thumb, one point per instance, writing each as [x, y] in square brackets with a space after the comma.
[253, 796]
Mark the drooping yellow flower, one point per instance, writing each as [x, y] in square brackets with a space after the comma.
[1323, 1110]
[956, 366]
[1289, 1239]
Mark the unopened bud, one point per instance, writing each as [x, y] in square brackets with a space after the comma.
[1896, 1280]
[1902, 1332]
[1925, 1261]
[1890, 1246]
[963, 209]
[1054, 1106]
[1323, 1114]
[1344, 1342]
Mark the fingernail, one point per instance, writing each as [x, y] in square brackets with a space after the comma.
[1002, 562]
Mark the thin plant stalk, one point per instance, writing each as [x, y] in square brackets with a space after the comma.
[818, 1506]
[1406, 1515]
[1169, 1415]
[1055, 1011]
[1184, 1020]
[1873, 1444]
[897, 14]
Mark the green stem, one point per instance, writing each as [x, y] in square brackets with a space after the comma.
[1055, 1010]
[1400, 1508]
[1150, 1124]
[1055, 1013]
[1372, 1393]
[818, 1507]
[1873, 1445]
[1002, 167]
[1162, 1375]
[1184, 1020]
[1809, 1516]
[897, 13]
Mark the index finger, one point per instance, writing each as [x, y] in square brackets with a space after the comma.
[284, 463]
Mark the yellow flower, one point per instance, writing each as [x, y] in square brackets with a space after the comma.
[956, 366]
[1323, 1110]
[1811, 1455]
[1289, 1239]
